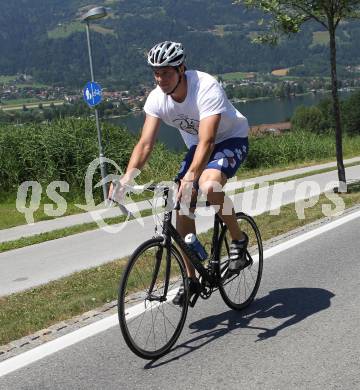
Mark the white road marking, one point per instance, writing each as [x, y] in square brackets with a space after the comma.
[54, 346]
[311, 234]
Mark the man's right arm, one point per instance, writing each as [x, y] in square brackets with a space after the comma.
[145, 145]
[141, 151]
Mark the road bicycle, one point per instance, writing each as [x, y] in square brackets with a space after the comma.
[149, 320]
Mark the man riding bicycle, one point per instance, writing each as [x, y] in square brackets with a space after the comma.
[215, 133]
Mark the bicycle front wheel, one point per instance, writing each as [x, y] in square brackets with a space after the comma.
[149, 321]
[239, 290]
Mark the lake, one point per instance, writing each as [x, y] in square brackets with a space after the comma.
[257, 111]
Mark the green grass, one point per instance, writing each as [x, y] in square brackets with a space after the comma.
[67, 29]
[26, 312]
[33, 84]
[63, 299]
[320, 38]
[103, 30]
[295, 177]
[279, 151]
[18, 102]
[60, 233]
[235, 76]
[6, 79]
[63, 150]
[219, 30]
[109, 2]
[11, 217]
[31, 103]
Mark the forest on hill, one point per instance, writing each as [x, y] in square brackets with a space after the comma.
[48, 41]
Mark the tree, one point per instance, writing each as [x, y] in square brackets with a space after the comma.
[287, 18]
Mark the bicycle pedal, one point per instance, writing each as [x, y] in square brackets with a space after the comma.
[230, 273]
[193, 300]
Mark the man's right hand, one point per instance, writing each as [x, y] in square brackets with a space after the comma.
[117, 192]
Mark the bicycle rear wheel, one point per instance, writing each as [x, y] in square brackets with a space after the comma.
[149, 321]
[239, 290]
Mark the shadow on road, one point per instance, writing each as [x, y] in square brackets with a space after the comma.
[290, 304]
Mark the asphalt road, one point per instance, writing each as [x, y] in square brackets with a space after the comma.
[302, 332]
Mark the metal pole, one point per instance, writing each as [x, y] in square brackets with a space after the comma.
[101, 152]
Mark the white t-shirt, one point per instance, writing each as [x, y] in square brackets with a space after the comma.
[204, 97]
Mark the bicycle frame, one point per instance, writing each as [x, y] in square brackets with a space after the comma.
[169, 232]
[209, 275]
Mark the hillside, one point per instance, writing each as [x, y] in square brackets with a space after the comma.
[48, 41]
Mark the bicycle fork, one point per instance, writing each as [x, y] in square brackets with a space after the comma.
[158, 259]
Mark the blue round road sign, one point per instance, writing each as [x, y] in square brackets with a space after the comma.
[92, 94]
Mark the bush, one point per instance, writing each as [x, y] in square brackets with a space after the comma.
[63, 149]
[320, 118]
[295, 146]
[351, 114]
[309, 118]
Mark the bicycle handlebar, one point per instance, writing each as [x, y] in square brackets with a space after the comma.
[135, 189]
[141, 188]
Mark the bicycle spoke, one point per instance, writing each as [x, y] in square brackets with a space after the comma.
[245, 284]
[147, 339]
[152, 316]
[138, 272]
[168, 320]
[153, 325]
[177, 308]
[238, 290]
[166, 338]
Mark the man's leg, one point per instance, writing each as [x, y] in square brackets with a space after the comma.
[185, 225]
[211, 183]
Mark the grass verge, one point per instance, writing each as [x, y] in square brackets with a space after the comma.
[26, 312]
[294, 177]
[11, 217]
[60, 233]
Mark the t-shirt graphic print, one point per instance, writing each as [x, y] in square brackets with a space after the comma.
[187, 124]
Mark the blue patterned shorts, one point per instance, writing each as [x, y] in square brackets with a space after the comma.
[227, 157]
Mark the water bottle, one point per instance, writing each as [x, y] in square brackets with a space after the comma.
[195, 245]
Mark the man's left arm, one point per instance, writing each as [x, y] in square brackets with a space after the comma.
[207, 134]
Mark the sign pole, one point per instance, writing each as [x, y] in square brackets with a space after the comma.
[99, 134]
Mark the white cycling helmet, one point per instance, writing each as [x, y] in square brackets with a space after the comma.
[166, 54]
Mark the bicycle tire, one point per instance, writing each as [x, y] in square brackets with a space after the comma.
[247, 281]
[135, 310]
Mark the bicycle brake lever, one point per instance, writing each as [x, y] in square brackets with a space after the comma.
[122, 208]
